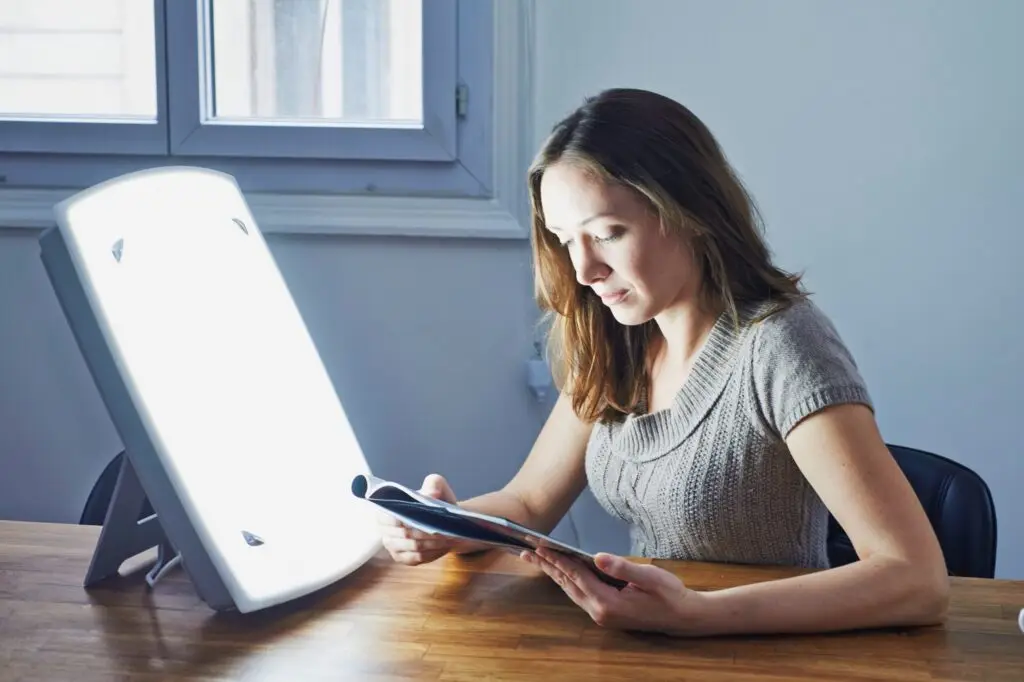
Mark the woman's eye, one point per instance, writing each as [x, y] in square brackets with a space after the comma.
[612, 236]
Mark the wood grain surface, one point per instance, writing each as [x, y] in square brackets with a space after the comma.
[488, 617]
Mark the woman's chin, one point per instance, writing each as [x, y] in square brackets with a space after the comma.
[629, 315]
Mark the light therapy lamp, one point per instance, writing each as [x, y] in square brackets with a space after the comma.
[230, 425]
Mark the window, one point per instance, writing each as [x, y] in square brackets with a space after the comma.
[316, 62]
[79, 77]
[360, 98]
[327, 79]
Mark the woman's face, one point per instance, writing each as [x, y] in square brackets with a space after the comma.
[614, 239]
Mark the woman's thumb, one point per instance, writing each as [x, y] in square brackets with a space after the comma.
[434, 485]
[646, 577]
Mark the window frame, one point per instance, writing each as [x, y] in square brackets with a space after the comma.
[192, 135]
[481, 194]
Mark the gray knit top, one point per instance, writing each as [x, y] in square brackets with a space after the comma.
[711, 478]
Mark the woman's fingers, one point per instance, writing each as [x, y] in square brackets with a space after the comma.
[415, 558]
[399, 544]
[403, 532]
[410, 546]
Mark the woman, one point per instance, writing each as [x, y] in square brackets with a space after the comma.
[704, 398]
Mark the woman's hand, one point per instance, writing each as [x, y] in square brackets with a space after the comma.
[409, 546]
[654, 600]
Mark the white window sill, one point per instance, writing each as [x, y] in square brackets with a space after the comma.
[323, 215]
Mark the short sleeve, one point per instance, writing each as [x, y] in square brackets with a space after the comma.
[800, 365]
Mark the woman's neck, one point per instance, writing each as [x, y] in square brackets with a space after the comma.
[682, 332]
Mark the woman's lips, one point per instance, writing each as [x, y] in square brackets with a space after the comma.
[613, 297]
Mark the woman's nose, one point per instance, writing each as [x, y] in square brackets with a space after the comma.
[589, 268]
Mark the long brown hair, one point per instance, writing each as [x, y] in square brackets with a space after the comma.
[658, 148]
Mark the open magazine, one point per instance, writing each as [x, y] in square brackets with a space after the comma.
[439, 517]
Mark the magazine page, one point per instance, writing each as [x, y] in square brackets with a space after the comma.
[368, 486]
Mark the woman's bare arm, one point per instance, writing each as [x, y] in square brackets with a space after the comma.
[550, 479]
[901, 576]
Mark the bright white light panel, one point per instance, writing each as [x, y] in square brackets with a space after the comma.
[225, 377]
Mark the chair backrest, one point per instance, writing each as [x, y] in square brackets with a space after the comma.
[958, 504]
[95, 511]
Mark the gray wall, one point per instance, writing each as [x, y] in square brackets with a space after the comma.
[883, 142]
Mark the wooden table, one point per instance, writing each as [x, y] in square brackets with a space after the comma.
[487, 617]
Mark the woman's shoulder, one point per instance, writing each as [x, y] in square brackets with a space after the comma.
[794, 326]
[799, 362]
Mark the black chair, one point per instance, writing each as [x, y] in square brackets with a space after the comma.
[958, 504]
[95, 511]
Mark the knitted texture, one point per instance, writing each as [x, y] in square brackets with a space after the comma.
[711, 478]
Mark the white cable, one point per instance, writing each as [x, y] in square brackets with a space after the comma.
[160, 568]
